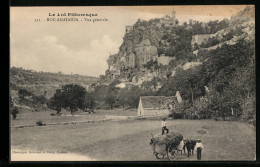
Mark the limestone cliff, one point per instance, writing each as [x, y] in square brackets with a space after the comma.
[149, 46]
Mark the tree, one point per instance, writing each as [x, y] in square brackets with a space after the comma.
[11, 103]
[110, 100]
[134, 96]
[123, 97]
[230, 74]
[71, 96]
[14, 112]
[40, 99]
[56, 101]
[177, 22]
[189, 82]
[147, 85]
[154, 82]
[196, 47]
[89, 101]
[169, 74]
[23, 93]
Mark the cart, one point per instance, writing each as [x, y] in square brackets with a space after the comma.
[166, 145]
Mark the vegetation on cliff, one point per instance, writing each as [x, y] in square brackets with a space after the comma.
[230, 77]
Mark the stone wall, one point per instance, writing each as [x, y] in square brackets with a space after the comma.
[154, 112]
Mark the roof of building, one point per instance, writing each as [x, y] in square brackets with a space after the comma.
[158, 102]
[171, 99]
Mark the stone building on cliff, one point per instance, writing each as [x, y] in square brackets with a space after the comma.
[145, 52]
[168, 21]
[131, 59]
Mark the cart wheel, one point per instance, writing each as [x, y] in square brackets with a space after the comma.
[159, 156]
[172, 153]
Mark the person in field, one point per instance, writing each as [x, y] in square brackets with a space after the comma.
[198, 147]
[164, 126]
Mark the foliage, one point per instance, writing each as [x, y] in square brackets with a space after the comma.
[215, 26]
[233, 32]
[39, 99]
[189, 82]
[210, 28]
[211, 42]
[249, 109]
[40, 123]
[147, 85]
[70, 96]
[73, 97]
[203, 55]
[14, 112]
[230, 74]
[230, 78]
[169, 74]
[152, 64]
[89, 101]
[24, 93]
[56, 101]
[20, 76]
[110, 100]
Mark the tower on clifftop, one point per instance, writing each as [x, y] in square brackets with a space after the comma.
[173, 17]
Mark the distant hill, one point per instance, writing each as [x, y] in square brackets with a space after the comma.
[39, 82]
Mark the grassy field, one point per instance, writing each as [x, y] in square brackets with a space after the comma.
[30, 118]
[128, 140]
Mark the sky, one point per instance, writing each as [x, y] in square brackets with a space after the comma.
[82, 47]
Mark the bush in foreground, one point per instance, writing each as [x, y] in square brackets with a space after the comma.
[40, 123]
[14, 112]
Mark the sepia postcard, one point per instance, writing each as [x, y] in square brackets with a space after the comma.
[133, 83]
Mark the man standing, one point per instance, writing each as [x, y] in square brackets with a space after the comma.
[198, 148]
[164, 126]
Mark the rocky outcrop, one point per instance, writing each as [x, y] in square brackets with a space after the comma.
[241, 26]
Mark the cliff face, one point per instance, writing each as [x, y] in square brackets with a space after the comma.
[147, 44]
[139, 47]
